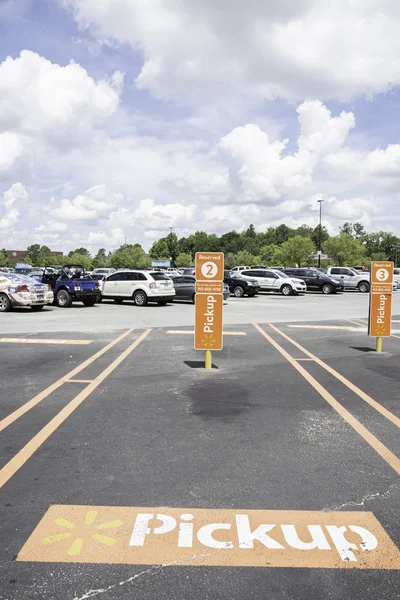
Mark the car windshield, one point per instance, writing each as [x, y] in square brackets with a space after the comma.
[354, 271]
[159, 276]
[282, 275]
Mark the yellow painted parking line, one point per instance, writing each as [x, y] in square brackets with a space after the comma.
[381, 409]
[191, 332]
[322, 327]
[30, 448]
[54, 386]
[43, 341]
[356, 323]
[387, 455]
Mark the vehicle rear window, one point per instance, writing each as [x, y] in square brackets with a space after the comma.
[159, 276]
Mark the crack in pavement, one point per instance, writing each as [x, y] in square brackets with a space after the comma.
[93, 593]
[363, 500]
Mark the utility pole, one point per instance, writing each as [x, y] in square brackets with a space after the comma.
[320, 232]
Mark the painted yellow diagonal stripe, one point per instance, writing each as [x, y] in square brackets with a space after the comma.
[26, 452]
[387, 455]
[7, 340]
[360, 393]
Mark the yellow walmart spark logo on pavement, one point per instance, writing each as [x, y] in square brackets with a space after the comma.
[182, 536]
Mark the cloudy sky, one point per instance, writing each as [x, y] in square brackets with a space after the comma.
[122, 118]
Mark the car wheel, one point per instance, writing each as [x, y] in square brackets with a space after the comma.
[89, 301]
[327, 288]
[5, 304]
[286, 290]
[118, 300]
[140, 298]
[162, 302]
[238, 292]
[363, 287]
[64, 299]
[36, 308]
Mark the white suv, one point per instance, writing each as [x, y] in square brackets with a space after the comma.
[140, 286]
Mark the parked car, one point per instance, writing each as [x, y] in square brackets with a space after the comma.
[351, 278]
[23, 268]
[138, 285]
[240, 269]
[240, 286]
[316, 281]
[270, 280]
[71, 283]
[396, 277]
[19, 290]
[102, 271]
[185, 288]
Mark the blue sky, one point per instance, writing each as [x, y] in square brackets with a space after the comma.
[174, 119]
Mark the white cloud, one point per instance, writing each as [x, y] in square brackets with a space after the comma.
[93, 204]
[11, 213]
[11, 149]
[43, 104]
[161, 217]
[291, 48]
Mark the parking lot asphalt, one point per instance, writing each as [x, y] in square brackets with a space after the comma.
[109, 316]
[297, 420]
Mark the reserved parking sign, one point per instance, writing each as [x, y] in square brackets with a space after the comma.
[208, 330]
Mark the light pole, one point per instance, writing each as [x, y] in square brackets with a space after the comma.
[319, 234]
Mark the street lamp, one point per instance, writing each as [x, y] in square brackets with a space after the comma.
[319, 236]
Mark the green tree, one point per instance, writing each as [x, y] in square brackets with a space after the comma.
[244, 258]
[358, 231]
[297, 250]
[283, 233]
[82, 251]
[183, 260]
[346, 228]
[140, 260]
[270, 254]
[231, 242]
[31, 254]
[4, 260]
[316, 235]
[229, 260]
[344, 250]
[172, 243]
[101, 259]
[121, 259]
[160, 250]
[80, 259]
[304, 231]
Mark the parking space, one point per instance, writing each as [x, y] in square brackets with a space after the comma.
[260, 465]
[108, 316]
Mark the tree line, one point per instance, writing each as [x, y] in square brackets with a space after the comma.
[281, 245]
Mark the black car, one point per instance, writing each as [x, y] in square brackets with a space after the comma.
[316, 281]
[239, 286]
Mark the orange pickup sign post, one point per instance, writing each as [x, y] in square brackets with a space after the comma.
[208, 327]
[380, 301]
